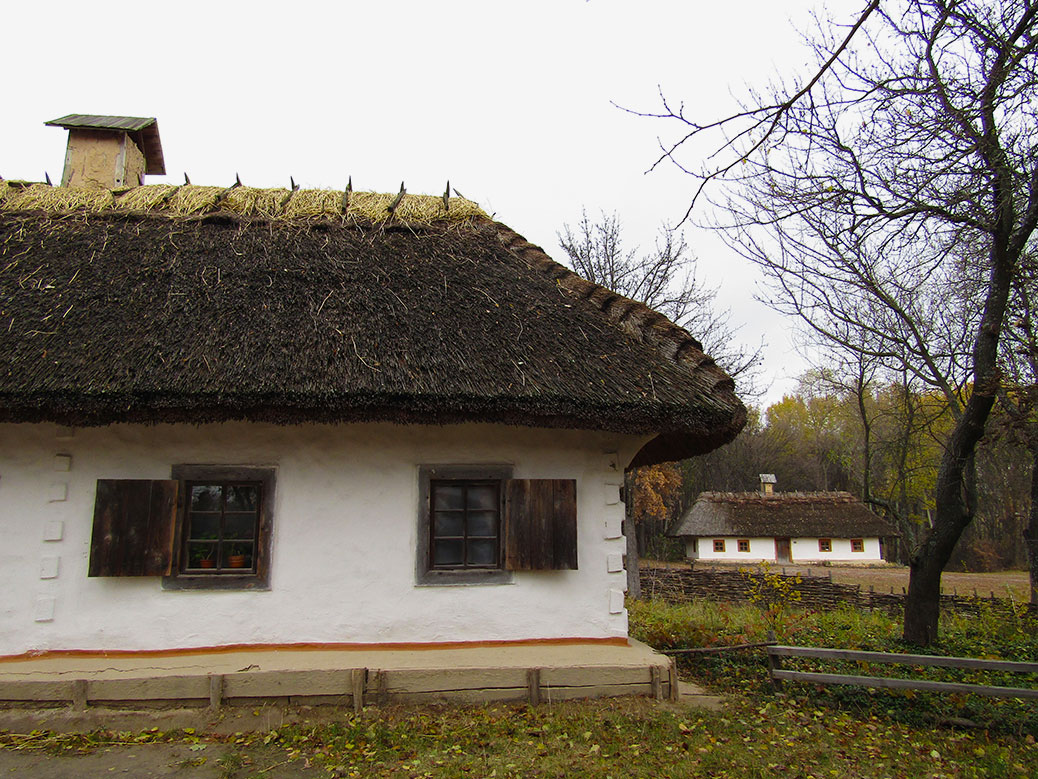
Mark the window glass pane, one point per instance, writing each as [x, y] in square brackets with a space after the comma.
[449, 523]
[482, 552]
[482, 523]
[483, 496]
[201, 555]
[204, 526]
[448, 552]
[448, 496]
[239, 525]
[205, 497]
[242, 497]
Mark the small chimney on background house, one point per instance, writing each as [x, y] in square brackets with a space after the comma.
[767, 483]
[107, 152]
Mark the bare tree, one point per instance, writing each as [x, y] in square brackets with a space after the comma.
[895, 192]
[1018, 396]
[664, 279]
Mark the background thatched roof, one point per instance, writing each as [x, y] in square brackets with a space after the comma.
[793, 514]
[110, 313]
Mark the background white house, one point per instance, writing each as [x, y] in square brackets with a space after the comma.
[785, 527]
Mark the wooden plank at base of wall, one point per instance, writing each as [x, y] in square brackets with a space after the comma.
[36, 691]
[589, 675]
[262, 684]
[451, 679]
[549, 694]
[147, 688]
[462, 696]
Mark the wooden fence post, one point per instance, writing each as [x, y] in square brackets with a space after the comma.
[533, 685]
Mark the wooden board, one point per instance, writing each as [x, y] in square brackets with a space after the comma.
[133, 528]
[889, 657]
[148, 688]
[453, 679]
[905, 684]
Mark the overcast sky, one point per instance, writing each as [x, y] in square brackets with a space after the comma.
[513, 102]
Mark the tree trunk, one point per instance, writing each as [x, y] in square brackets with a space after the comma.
[956, 478]
[634, 583]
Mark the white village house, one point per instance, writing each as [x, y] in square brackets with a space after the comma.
[783, 527]
[235, 418]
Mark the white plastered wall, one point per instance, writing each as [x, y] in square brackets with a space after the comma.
[345, 534]
[802, 550]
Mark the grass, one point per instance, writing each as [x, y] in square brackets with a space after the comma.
[752, 737]
[999, 631]
[802, 732]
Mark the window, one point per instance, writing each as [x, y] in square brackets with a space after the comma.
[207, 528]
[825, 545]
[466, 520]
[225, 527]
[221, 527]
[744, 544]
[476, 524]
[718, 544]
[857, 545]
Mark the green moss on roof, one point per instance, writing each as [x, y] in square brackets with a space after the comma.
[275, 204]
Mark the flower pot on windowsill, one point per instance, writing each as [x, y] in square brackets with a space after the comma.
[207, 562]
[236, 561]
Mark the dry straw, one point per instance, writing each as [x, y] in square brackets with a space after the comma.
[190, 200]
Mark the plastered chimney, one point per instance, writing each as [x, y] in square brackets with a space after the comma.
[108, 152]
[767, 483]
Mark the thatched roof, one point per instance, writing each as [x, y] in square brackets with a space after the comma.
[142, 307]
[781, 514]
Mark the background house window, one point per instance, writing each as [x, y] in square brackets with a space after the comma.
[825, 545]
[744, 544]
[857, 545]
[718, 544]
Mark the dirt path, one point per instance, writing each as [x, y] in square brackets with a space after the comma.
[158, 761]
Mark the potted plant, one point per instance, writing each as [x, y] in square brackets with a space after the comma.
[237, 556]
[202, 556]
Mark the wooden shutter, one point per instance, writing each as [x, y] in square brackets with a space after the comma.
[133, 527]
[540, 524]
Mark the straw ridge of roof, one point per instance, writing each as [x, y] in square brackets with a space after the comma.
[273, 204]
[134, 313]
[793, 514]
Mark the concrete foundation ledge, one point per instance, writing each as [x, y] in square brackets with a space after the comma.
[535, 673]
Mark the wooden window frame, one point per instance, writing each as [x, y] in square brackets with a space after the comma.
[258, 578]
[718, 545]
[825, 545]
[466, 536]
[743, 542]
[425, 573]
[859, 543]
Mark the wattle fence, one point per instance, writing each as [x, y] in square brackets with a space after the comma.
[816, 591]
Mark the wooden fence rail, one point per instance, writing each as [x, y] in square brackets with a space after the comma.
[778, 674]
